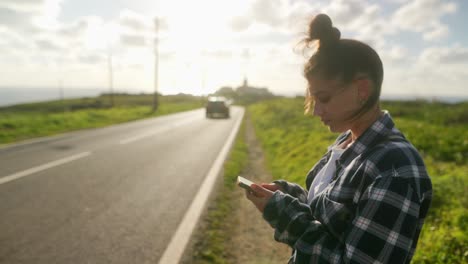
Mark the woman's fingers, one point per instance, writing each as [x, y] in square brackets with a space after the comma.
[249, 194]
[271, 186]
[259, 196]
[259, 191]
[259, 202]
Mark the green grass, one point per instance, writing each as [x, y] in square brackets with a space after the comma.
[213, 248]
[43, 119]
[293, 143]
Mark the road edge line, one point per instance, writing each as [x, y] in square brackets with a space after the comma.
[179, 241]
[42, 167]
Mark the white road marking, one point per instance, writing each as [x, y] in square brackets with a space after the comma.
[39, 168]
[154, 132]
[176, 247]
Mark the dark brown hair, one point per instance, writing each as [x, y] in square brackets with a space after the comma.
[342, 59]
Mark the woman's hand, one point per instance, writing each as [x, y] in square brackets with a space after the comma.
[272, 187]
[261, 194]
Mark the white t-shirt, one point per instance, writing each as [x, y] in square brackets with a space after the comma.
[324, 176]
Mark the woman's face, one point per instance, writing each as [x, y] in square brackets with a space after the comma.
[334, 102]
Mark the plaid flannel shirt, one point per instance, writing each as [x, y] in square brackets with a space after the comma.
[371, 212]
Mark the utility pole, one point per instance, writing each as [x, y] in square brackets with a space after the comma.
[204, 59]
[111, 77]
[246, 56]
[61, 93]
[60, 90]
[203, 79]
[156, 64]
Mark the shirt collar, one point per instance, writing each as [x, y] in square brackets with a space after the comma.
[379, 130]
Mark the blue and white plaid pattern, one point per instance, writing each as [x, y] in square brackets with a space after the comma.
[371, 212]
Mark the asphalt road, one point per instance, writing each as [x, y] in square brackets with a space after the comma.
[110, 195]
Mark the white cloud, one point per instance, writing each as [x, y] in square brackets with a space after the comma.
[395, 55]
[11, 41]
[345, 12]
[48, 14]
[134, 21]
[240, 23]
[17, 20]
[47, 45]
[362, 20]
[73, 30]
[91, 58]
[29, 15]
[137, 22]
[437, 32]
[435, 71]
[455, 55]
[274, 14]
[133, 40]
[218, 54]
[299, 15]
[24, 5]
[269, 12]
[35, 42]
[424, 16]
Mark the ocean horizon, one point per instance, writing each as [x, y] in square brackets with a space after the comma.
[13, 96]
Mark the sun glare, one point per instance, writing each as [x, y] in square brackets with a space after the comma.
[195, 34]
[100, 35]
[196, 28]
[49, 11]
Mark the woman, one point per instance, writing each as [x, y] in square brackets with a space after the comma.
[367, 198]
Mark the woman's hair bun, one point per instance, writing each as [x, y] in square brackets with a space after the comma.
[321, 29]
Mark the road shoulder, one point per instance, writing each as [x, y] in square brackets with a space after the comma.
[246, 237]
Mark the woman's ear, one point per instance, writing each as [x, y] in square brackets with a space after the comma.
[364, 89]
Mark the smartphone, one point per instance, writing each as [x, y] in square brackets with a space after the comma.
[244, 183]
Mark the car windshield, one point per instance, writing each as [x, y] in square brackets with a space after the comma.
[217, 103]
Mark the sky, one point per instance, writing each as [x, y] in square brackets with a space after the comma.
[206, 44]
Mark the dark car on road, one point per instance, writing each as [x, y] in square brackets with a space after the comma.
[217, 106]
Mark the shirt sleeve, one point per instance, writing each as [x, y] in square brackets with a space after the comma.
[379, 230]
[293, 189]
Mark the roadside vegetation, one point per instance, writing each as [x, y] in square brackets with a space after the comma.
[293, 143]
[213, 245]
[25, 121]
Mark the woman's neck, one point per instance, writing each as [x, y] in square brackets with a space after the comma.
[365, 121]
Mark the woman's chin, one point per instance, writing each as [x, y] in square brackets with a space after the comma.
[335, 129]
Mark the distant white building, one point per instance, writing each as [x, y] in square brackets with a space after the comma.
[245, 89]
